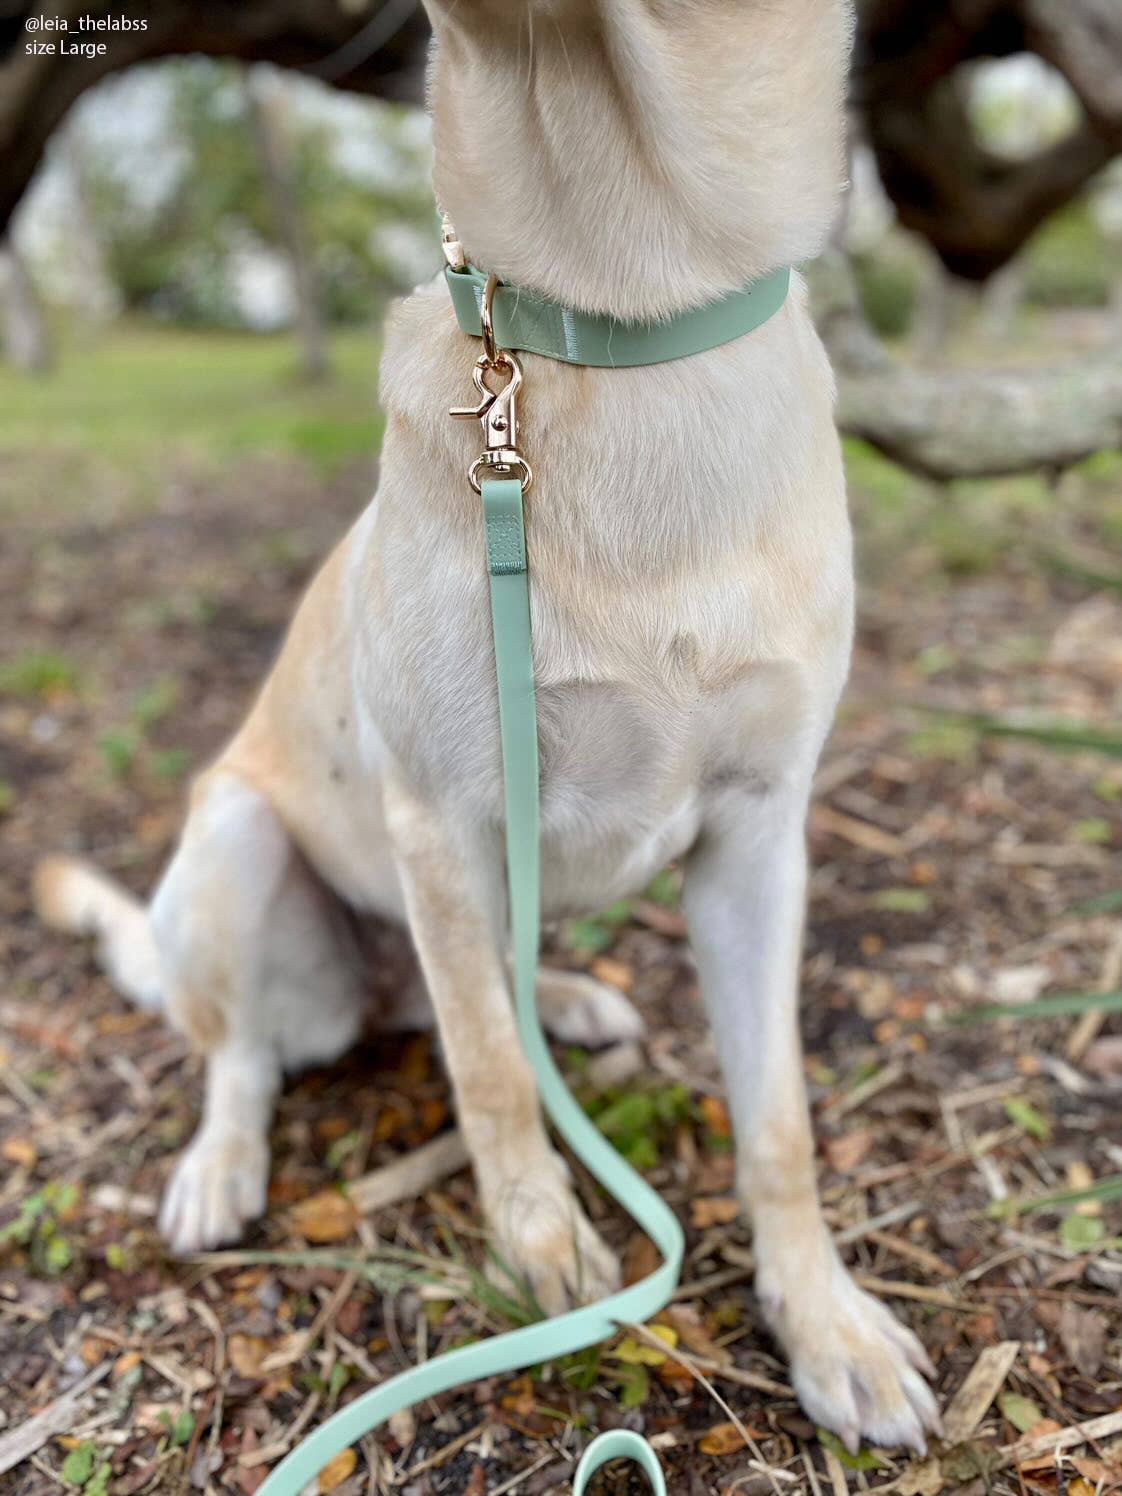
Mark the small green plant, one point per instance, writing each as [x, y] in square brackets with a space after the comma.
[37, 1227]
[591, 936]
[1081, 1232]
[82, 1469]
[902, 900]
[180, 1428]
[118, 748]
[1024, 1115]
[169, 763]
[121, 748]
[155, 702]
[639, 1122]
[665, 888]
[37, 674]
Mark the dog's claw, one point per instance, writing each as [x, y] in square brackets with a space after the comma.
[217, 1188]
[855, 1368]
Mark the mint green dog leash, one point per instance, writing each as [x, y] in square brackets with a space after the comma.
[508, 320]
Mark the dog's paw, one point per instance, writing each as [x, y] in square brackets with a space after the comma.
[543, 1237]
[217, 1188]
[577, 1009]
[855, 1368]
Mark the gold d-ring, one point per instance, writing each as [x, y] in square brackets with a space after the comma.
[486, 302]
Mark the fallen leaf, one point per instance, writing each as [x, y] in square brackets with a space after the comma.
[722, 1438]
[1095, 1470]
[1079, 1232]
[925, 1479]
[864, 1459]
[19, 1151]
[674, 1374]
[326, 1217]
[716, 1116]
[1021, 1411]
[712, 1210]
[693, 1334]
[615, 973]
[1039, 1462]
[846, 1152]
[247, 1353]
[415, 1062]
[124, 1364]
[640, 1258]
[519, 1397]
[637, 1353]
[335, 1472]
[1025, 1116]
[1083, 1337]
[92, 1350]
[1080, 1177]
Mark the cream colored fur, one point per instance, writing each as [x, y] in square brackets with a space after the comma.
[692, 602]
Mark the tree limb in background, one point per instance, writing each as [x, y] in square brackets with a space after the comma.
[964, 423]
[264, 109]
[975, 208]
[310, 35]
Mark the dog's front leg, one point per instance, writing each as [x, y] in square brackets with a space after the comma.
[855, 1368]
[454, 901]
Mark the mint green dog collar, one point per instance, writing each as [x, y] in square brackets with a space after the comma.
[526, 322]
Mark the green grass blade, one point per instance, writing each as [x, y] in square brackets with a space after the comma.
[1102, 903]
[1109, 1188]
[1056, 1005]
[1061, 735]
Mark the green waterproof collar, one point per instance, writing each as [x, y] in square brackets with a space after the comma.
[524, 321]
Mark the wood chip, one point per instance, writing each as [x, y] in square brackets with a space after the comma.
[859, 833]
[1067, 1438]
[57, 1418]
[410, 1176]
[972, 1400]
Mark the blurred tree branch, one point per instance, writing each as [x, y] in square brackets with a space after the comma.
[962, 423]
[314, 36]
[975, 208]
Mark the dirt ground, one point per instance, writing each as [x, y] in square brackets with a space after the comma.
[952, 868]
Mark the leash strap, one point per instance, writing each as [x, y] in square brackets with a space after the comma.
[504, 531]
[523, 320]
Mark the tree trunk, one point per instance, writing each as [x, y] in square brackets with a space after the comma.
[27, 344]
[264, 105]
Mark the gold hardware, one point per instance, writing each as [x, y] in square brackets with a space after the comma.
[450, 244]
[486, 305]
[497, 409]
[498, 412]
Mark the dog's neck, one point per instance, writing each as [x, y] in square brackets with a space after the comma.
[637, 157]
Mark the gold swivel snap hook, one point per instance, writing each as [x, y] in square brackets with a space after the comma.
[497, 409]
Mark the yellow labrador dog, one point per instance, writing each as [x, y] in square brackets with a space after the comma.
[692, 610]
